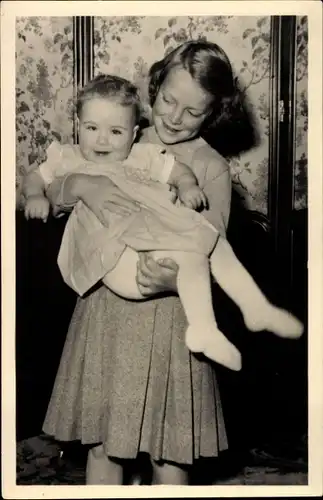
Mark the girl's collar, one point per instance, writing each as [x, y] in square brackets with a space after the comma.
[150, 135]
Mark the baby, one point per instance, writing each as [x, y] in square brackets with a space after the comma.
[167, 191]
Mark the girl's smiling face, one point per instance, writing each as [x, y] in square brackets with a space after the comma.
[181, 107]
[107, 129]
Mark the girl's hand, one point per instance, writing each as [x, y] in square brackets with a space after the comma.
[102, 196]
[37, 207]
[154, 277]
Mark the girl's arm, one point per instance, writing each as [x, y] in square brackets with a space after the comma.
[99, 193]
[63, 193]
[156, 277]
[218, 192]
[58, 201]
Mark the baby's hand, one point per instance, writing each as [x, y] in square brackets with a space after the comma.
[37, 207]
[193, 197]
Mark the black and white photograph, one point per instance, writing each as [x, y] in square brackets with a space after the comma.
[138, 361]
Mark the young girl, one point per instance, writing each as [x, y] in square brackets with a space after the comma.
[108, 111]
[127, 383]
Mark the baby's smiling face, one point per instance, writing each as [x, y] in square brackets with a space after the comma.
[107, 129]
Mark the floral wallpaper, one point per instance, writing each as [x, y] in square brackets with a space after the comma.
[128, 46]
[300, 169]
[44, 88]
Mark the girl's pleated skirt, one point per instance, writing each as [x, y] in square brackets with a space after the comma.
[126, 379]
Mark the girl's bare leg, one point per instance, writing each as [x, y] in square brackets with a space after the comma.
[166, 473]
[100, 469]
[258, 312]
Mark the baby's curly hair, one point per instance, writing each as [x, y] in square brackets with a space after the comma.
[210, 67]
[110, 86]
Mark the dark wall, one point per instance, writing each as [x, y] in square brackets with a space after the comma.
[264, 401]
[44, 305]
[267, 401]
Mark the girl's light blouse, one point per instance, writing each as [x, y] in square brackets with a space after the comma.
[211, 170]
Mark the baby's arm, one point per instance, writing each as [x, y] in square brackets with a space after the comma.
[37, 205]
[189, 192]
[37, 181]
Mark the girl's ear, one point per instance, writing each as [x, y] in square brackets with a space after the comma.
[135, 132]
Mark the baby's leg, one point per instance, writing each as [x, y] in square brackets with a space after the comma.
[194, 290]
[258, 312]
[122, 279]
[100, 469]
